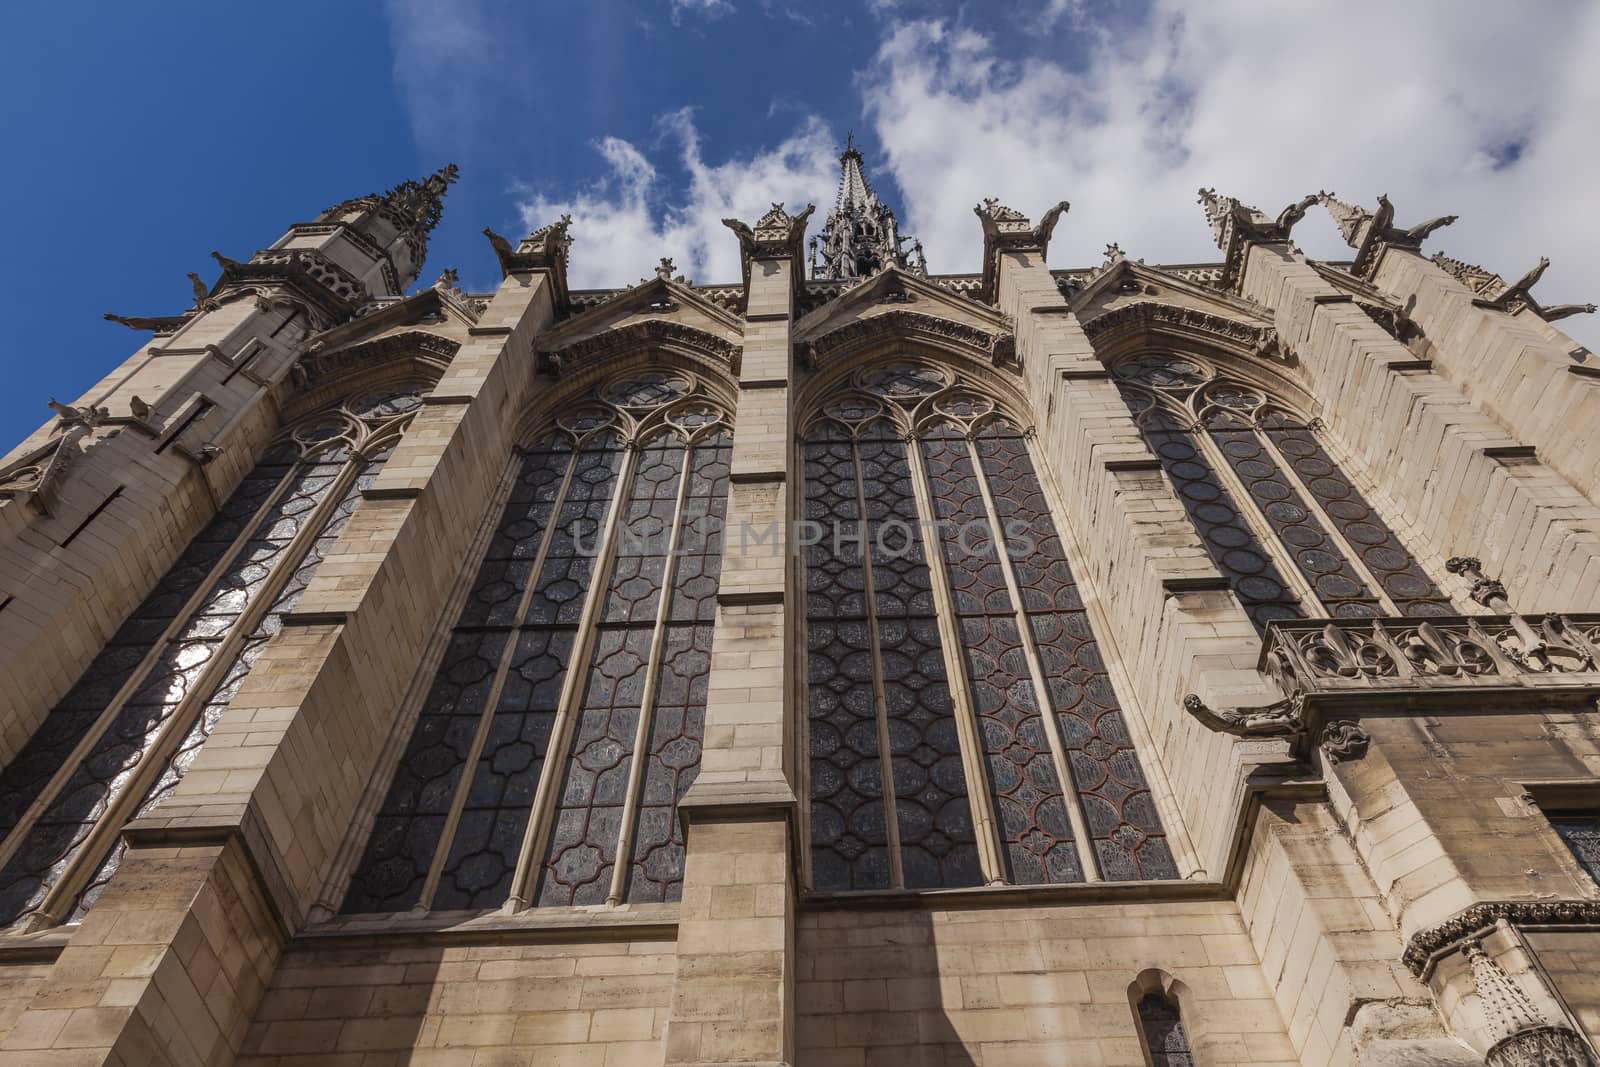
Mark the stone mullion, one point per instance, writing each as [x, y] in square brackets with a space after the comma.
[1047, 716]
[621, 869]
[171, 733]
[897, 875]
[508, 654]
[1349, 551]
[140, 673]
[534, 838]
[991, 848]
[1250, 514]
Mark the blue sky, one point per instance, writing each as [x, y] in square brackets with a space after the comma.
[142, 136]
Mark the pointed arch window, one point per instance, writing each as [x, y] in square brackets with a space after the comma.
[1277, 514]
[565, 721]
[122, 738]
[962, 727]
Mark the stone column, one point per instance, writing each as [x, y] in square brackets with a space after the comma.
[733, 999]
[170, 964]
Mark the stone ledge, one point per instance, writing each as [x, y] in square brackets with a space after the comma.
[1584, 371]
[1088, 374]
[1404, 365]
[1197, 584]
[751, 597]
[317, 618]
[769, 316]
[444, 399]
[490, 331]
[395, 492]
[757, 477]
[635, 922]
[1117, 465]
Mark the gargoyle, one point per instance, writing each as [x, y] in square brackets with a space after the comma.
[202, 293]
[1296, 211]
[141, 322]
[1282, 718]
[1047, 222]
[1565, 311]
[225, 263]
[90, 416]
[140, 409]
[747, 236]
[502, 247]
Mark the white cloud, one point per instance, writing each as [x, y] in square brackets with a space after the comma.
[711, 9]
[622, 223]
[1265, 104]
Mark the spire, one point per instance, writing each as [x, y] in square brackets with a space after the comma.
[402, 216]
[861, 236]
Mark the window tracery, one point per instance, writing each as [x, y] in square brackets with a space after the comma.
[122, 739]
[962, 728]
[565, 721]
[1278, 516]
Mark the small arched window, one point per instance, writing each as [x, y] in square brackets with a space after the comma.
[1161, 1027]
[1277, 515]
[963, 729]
[587, 635]
[122, 738]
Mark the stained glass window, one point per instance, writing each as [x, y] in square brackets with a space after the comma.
[564, 723]
[121, 739]
[1277, 515]
[1582, 835]
[962, 727]
[1164, 1036]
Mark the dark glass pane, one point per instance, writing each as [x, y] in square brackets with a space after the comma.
[1407, 584]
[1126, 833]
[937, 839]
[1028, 798]
[1229, 539]
[488, 839]
[1582, 835]
[1163, 1032]
[587, 825]
[57, 835]
[406, 836]
[1343, 593]
[849, 838]
[677, 725]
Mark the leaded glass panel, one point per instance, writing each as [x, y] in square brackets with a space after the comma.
[1163, 1032]
[1582, 835]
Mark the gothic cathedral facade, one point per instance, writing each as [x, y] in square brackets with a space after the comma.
[841, 664]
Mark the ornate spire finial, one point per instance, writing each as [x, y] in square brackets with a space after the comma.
[861, 235]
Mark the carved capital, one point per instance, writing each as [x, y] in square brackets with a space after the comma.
[1344, 739]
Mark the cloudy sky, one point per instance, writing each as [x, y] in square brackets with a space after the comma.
[145, 137]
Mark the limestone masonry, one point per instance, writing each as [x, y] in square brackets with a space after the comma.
[842, 664]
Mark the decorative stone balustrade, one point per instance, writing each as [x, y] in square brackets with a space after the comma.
[1324, 665]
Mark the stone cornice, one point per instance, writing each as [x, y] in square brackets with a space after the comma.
[1000, 347]
[1107, 329]
[1428, 944]
[648, 333]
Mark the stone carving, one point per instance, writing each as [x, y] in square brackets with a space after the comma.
[1344, 739]
[202, 294]
[649, 333]
[161, 324]
[413, 207]
[88, 417]
[1370, 232]
[34, 476]
[1524, 1038]
[1236, 226]
[1000, 347]
[1006, 229]
[1133, 319]
[448, 279]
[1428, 944]
[224, 262]
[777, 234]
[545, 249]
[1486, 591]
[1471, 275]
[861, 236]
[1282, 718]
[1445, 655]
[1519, 295]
